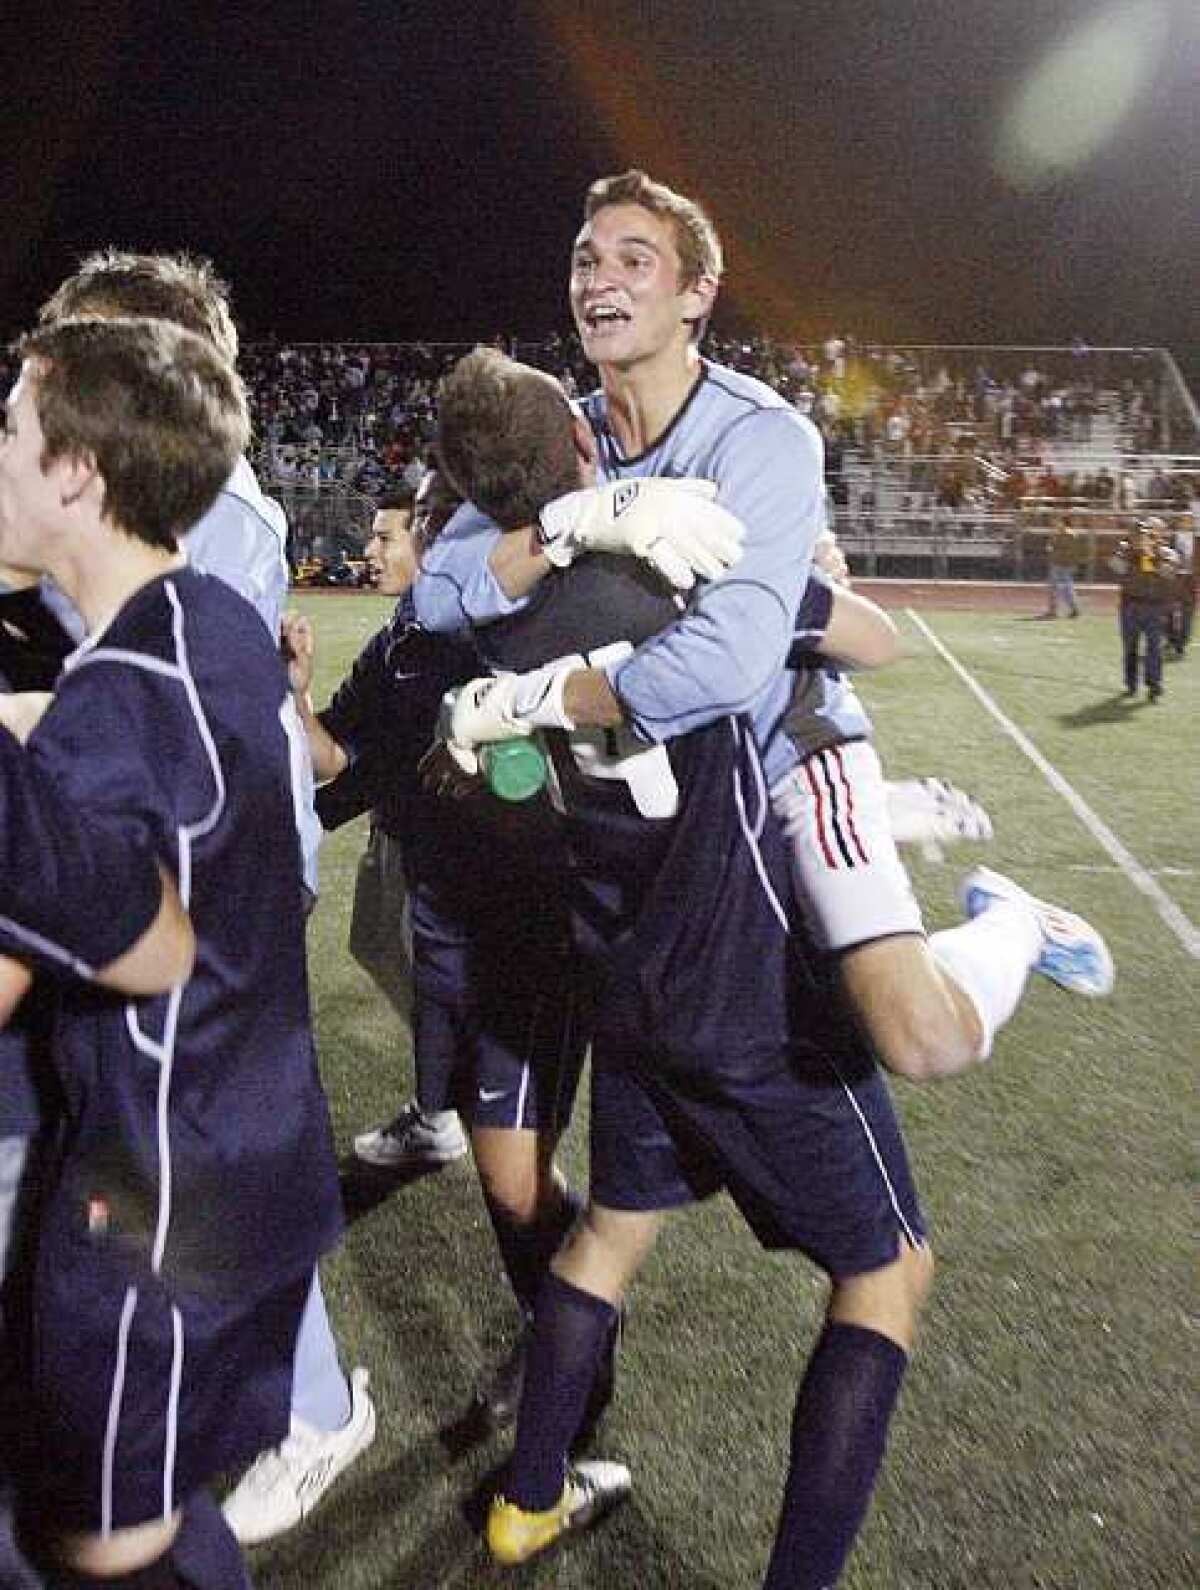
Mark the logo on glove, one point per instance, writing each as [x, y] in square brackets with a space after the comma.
[624, 497]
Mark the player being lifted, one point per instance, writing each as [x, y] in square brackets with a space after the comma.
[925, 1002]
[664, 406]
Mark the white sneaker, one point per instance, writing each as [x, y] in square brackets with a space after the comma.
[413, 1139]
[283, 1485]
[1073, 954]
[925, 810]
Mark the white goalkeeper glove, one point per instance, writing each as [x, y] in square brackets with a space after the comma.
[507, 707]
[674, 525]
[925, 811]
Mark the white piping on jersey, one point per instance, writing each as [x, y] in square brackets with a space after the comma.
[46, 948]
[116, 1392]
[753, 833]
[172, 1420]
[162, 1050]
[118, 654]
[760, 789]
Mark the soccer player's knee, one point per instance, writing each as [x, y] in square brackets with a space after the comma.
[919, 1269]
[513, 1195]
[918, 1031]
[624, 1236]
[903, 1009]
[923, 1047]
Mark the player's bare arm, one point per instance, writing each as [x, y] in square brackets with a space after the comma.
[162, 957]
[15, 982]
[590, 701]
[859, 634]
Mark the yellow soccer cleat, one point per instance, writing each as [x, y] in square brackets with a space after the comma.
[592, 1489]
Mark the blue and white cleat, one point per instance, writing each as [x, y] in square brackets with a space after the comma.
[1073, 954]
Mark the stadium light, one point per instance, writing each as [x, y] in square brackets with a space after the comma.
[1074, 100]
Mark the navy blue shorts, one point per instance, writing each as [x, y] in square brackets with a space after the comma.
[495, 1005]
[142, 1398]
[814, 1163]
[723, 1052]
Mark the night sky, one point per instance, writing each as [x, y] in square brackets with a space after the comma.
[404, 169]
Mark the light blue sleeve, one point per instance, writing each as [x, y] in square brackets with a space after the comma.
[242, 539]
[456, 587]
[728, 653]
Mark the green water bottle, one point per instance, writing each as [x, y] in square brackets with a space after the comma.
[515, 770]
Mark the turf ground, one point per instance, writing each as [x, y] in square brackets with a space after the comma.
[1044, 1440]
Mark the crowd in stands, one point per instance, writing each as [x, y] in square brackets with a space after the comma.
[363, 414]
[967, 428]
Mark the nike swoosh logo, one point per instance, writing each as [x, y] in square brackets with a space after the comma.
[490, 1095]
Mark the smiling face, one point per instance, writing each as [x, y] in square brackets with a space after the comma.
[629, 305]
[391, 552]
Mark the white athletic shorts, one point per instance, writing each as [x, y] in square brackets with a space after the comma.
[849, 879]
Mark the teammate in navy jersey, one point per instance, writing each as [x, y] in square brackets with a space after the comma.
[196, 1184]
[33, 644]
[718, 1055]
[241, 538]
[492, 1032]
[931, 1006]
[381, 719]
[109, 893]
[75, 899]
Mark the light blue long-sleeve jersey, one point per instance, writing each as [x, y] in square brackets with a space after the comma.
[726, 654]
[242, 540]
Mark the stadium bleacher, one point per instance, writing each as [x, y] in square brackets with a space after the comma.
[941, 461]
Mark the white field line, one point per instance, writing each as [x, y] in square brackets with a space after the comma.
[1179, 923]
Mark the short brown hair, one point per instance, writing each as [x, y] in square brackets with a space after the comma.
[696, 240]
[157, 408]
[505, 436]
[182, 288]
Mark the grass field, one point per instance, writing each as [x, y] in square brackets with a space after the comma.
[1045, 1440]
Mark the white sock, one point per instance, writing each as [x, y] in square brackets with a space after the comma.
[989, 958]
